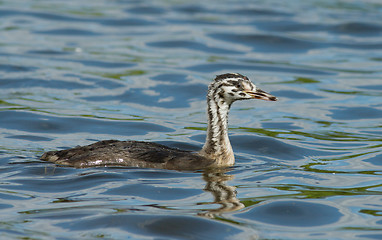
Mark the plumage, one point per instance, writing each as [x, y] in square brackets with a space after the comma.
[216, 152]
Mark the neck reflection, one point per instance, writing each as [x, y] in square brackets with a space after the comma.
[223, 194]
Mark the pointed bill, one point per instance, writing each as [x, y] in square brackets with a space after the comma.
[260, 94]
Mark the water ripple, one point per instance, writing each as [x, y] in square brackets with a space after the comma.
[31, 122]
[307, 166]
[269, 43]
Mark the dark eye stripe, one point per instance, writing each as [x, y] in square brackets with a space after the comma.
[233, 82]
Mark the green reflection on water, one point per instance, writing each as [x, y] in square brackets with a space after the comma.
[118, 76]
[2, 102]
[299, 80]
[311, 192]
[322, 135]
[345, 92]
[376, 213]
[310, 168]
[196, 128]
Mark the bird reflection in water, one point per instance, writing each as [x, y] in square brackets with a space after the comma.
[223, 194]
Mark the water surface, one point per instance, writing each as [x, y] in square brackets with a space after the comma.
[307, 167]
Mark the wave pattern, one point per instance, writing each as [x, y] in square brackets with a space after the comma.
[308, 166]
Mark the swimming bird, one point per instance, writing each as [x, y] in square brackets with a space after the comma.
[216, 152]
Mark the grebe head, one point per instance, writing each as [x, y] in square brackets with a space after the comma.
[234, 86]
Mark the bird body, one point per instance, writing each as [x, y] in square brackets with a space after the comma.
[128, 153]
[216, 152]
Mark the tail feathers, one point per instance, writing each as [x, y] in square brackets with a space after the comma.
[49, 156]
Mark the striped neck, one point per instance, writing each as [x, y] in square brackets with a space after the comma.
[217, 145]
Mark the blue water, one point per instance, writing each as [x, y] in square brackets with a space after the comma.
[307, 167]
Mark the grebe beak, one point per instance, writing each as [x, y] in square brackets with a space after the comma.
[260, 94]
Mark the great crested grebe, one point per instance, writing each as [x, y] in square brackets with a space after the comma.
[216, 152]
